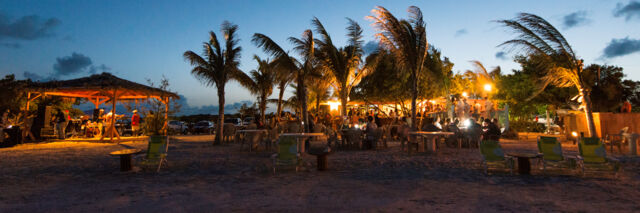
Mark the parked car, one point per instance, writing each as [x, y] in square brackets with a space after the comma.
[234, 121]
[205, 127]
[177, 127]
[247, 121]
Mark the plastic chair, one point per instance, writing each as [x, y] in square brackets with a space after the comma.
[494, 158]
[593, 156]
[551, 151]
[156, 152]
[288, 153]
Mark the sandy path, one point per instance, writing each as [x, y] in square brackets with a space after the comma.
[81, 177]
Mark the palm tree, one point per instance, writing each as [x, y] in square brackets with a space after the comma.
[305, 46]
[260, 83]
[480, 76]
[561, 67]
[284, 76]
[319, 90]
[406, 40]
[343, 64]
[217, 66]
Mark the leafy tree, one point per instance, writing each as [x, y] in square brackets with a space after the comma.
[305, 47]
[260, 83]
[406, 40]
[344, 64]
[217, 66]
[562, 68]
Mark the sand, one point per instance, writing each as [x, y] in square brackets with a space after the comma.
[82, 177]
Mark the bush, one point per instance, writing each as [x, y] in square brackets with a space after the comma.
[526, 126]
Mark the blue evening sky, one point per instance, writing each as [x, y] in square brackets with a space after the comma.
[137, 40]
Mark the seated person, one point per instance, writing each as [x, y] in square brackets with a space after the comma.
[370, 131]
[429, 126]
[490, 130]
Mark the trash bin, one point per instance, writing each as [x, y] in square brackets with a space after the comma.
[14, 137]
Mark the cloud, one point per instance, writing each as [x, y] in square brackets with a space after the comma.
[629, 11]
[185, 109]
[27, 27]
[10, 45]
[36, 76]
[370, 47]
[501, 55]
[621, 47]
[461, 32]
[575, 19]
[71, 64]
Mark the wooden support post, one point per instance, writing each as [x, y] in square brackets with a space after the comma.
[166, 115]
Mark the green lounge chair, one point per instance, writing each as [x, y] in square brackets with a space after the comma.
[551, 151]
[288, 153]
[593, 156]
[494, 157]
[156, 152]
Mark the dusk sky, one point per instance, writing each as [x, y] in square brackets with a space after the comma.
[137, 40]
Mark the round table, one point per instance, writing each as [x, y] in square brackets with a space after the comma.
[125, 158]
[524, 162]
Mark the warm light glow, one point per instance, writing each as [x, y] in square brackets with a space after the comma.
[432, 101]
[464, 94]
[333, 105]
[487, 87]
[467, 123]
[575, 134]
[357, 126]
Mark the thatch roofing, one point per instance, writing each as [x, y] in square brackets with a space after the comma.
[99, 86]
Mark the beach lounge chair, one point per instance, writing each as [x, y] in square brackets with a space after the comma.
[593, 157]
[494, 158]
[552, 157]
[156, 153]
[288, 154]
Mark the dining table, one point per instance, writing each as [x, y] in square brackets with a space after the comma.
[428, 140]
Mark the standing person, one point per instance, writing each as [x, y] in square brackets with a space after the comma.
[626, 107]
[488, 108]
[61, 122]
[135, 123]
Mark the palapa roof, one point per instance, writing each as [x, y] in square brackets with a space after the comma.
[99, 86]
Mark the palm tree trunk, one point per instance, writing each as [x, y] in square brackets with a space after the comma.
[220, 123]
[318, 104]
[263, 108]
[279, 110]
[414, 97]
[303, 102]
[344, 99]
[586, 97]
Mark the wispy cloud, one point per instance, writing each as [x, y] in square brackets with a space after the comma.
[621, 47]
[12, 45]
[30, 27]
[501, 55]
[575, 19]
[628, 11]
[461, 32]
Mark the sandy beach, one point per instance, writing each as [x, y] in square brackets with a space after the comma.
[82, 177]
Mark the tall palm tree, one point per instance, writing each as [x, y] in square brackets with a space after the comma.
[260, 83]
[343, 64]
[406, 40]
[286, 65]
[305, 46]
[561, 67]
[217, 66]
[319, 90]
